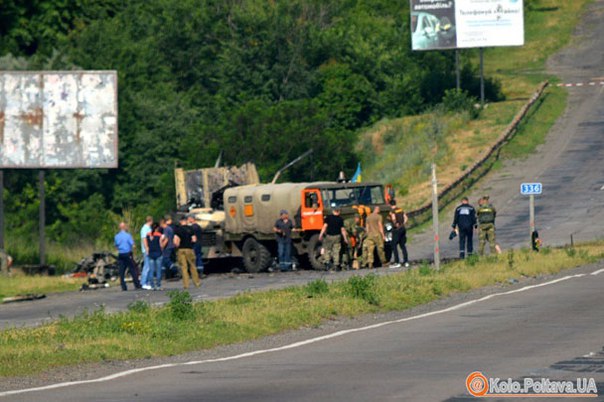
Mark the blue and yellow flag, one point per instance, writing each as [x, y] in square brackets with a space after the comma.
[357, 175]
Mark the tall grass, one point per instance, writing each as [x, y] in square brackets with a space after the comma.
[182, 326]
[20, 284]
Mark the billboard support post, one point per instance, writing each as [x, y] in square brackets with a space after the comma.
[1, 209]
[42, 195]
[457, 71]
[481, 76]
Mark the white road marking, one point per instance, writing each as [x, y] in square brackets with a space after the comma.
[296, 344]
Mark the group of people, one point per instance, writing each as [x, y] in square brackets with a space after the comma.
[467, 219]
[352, 243]
[162, 244]
[348, 243]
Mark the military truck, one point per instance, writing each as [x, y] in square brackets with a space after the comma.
[241, 224]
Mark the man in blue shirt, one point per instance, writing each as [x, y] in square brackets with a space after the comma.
[124, 244]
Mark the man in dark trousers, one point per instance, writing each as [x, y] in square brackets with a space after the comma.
[283, 231]
[184, 239]
[399, 235]
[333, 232]
[124, 243]
[464, 224]
[197, 231]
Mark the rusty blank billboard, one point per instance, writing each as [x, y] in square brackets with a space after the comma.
[57, 119]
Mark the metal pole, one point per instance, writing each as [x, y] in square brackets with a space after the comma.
[457, 71]
[435, 218]
[481, 76]
[1, 209]
[531, 217]
[42, 217]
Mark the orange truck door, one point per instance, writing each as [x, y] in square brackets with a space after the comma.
[312, 210]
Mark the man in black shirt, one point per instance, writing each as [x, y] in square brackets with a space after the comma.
[333, 231]
[197, 246]
[283, 230]
[184, 239]
[464, 224]
[399, 235]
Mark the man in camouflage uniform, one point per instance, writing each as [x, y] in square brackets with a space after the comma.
[331, 235]
[374, 239]
[486, 214]
[356, 235]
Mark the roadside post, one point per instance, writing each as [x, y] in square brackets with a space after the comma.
[435, 218]
[531, 189]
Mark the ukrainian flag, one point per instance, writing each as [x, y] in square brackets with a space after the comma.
[357, 175]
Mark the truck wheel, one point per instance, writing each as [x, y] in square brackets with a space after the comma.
[314, 253]
[256, 256]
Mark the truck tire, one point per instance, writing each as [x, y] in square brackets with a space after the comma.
[256, 256]
[314, 253]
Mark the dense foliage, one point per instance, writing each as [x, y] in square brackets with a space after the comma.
[261, 80]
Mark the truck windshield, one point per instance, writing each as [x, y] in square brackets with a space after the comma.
[362, 195]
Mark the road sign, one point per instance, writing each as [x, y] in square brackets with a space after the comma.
[531, 188]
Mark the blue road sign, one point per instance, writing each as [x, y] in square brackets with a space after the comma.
[531, 188]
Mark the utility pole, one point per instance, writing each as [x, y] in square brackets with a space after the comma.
[1, 209]
[435, 218]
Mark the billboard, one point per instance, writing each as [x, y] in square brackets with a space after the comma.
[58, 119]
[453, 24]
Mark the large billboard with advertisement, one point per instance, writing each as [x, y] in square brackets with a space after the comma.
[453, 24]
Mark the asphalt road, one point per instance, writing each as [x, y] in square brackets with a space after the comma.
[551, 331]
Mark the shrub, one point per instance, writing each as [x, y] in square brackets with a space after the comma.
[460, 101]
[364, 287]
[181, 305]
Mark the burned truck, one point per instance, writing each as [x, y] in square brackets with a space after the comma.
[242, 213]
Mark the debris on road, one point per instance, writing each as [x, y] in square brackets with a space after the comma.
[20, 298]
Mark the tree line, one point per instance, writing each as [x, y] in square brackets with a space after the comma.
[260, 80]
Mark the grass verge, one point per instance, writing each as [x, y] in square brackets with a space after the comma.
[182, 326]
[19, 284]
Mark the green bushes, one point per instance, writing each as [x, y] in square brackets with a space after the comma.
[460, 101]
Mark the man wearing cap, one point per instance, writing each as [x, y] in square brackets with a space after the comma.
[184, 239]
[486, 214]
[283, 231]
[333, 232]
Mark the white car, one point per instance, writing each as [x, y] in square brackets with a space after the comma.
[428, 31]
